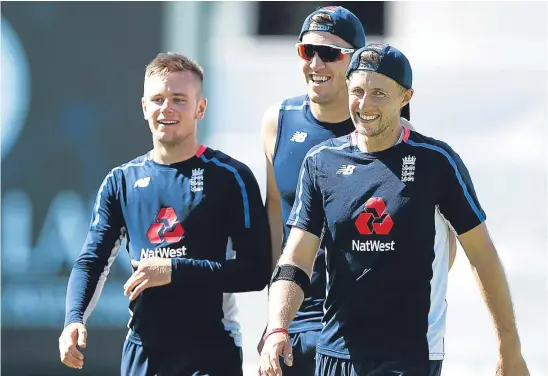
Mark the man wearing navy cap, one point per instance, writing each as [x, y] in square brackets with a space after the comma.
[196, 230]
[371, 197]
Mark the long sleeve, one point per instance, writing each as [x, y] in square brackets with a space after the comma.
[250, 235]
[100, 248]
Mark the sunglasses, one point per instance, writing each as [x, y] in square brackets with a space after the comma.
[326, 52]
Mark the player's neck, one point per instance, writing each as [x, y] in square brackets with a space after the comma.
[335, 112]
[380, 142]
[168, 154]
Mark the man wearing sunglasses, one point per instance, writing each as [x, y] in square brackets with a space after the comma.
[328, 38]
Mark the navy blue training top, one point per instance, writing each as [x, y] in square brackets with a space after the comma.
[206, 214]
[377, 213]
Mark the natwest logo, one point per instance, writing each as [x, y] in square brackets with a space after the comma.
[376, 219]
[166, 228]
[164, 252]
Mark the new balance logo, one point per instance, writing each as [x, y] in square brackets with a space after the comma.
[141, 183]
[346, 170]
[299, 136]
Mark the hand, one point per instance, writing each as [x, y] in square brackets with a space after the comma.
[73, 335]
[276, 345]
[511, 366]
[150, 272]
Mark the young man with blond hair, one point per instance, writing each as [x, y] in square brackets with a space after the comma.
[196, 232]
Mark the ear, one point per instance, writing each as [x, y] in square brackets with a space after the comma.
[201, 109]
[144, 106]
[407, 97]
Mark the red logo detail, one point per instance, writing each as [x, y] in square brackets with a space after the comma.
[166, 228]
[375, 220]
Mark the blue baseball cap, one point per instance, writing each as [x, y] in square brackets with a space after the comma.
[344, 24]
[393, 64]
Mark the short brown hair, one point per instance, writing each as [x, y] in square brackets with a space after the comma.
[169, 62]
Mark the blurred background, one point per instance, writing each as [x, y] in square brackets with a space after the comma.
[71, 77]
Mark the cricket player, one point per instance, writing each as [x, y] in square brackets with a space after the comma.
[196, 231]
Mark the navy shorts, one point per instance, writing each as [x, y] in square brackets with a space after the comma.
[304, 354]
[330, 366]
[141, 361]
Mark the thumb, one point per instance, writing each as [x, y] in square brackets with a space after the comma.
[288, 353]
[82, 337]
[134, 263]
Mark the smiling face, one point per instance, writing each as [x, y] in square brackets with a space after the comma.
[325, 81]
[172, 105]
[375, 102]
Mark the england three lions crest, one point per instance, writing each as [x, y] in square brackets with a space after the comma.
[408, 169]
[197, 180]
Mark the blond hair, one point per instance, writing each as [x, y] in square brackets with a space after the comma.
[170, 62]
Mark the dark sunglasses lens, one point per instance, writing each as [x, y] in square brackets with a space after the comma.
[326, 53]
